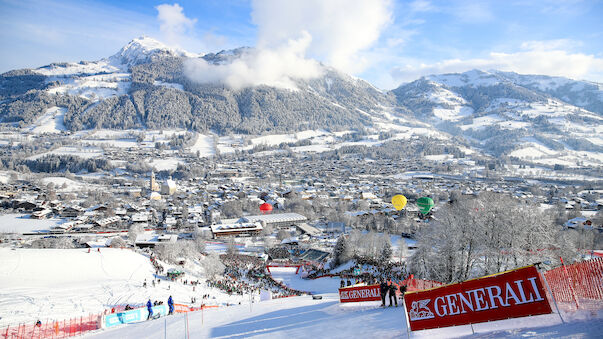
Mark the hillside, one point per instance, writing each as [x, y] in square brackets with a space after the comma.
[63, 283]
[303, 317]
[146, 86]
[527, 117]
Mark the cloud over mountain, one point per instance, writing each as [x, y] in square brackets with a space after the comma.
[293, 33]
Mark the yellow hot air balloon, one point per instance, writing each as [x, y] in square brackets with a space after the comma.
[399, 201]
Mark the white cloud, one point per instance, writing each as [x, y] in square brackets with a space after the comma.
[277, 67]
[339, 28]
[335, 32]
[175, 27]
[536, 57]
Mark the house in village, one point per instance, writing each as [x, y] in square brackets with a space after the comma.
[152, 240]
[236, 229]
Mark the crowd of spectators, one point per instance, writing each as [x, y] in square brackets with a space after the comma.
[365, 270]
[247, 274]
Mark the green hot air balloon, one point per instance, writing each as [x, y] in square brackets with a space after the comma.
[425, 204]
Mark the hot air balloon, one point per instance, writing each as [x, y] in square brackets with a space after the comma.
[425, 204]
[399, 201]
[265, 208]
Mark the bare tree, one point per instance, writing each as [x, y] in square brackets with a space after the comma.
[212, 265]
[484, 235]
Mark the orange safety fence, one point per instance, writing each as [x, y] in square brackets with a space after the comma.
[585, 278]
[74, 326]
[53, 329]
[181, 308]
[413, 284]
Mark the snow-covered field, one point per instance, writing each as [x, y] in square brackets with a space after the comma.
[22, 223]
[304, 317]
[204, 145]
[58, 284]
[51, 121]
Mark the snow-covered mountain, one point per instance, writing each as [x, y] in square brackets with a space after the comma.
[144, 86]
[523, 116]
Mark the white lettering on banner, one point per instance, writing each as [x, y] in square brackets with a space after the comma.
[510, 294]
[535, 289]
[358, 294]
[452, 307]
[437, 308]
[522, 293]
[495, 296]
[466, 302]
[479, 299]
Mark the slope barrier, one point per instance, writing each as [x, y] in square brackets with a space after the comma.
[70, 327]
[579, 283]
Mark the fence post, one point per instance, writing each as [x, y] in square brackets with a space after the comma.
[7, 328]
[187, 333]
[552, 296]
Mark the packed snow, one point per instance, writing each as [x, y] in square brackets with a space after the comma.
[77, 151]
[38, 284]
[204, 145]
[165, 164]
[57, 284]
[169, 85]
[305, 317]
[23, 223]
[51, 121]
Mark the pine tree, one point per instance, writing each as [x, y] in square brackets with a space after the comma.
[340, 251]
[386, 251]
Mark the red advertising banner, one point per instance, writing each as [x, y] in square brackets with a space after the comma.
[359, 293]
[511, 294]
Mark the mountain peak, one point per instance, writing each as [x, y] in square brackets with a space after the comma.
[141, 49]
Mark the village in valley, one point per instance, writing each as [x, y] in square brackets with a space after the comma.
[218, 221]
[317, 195]
[299, 169]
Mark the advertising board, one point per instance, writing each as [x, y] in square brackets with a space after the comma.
[359, 293]
[511, 294]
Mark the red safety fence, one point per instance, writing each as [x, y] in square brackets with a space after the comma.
[584, 278]
[181, 308]
[53, 329]
[413, 284]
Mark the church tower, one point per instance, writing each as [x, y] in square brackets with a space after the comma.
[154, 186]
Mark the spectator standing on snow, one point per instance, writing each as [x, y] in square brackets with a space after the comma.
[402, 290]
[171, 305]
[150, 309]
[392, 293]
[383, 289]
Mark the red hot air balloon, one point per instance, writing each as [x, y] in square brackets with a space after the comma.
[265, 208]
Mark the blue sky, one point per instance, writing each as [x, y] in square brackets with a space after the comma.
[384, 42]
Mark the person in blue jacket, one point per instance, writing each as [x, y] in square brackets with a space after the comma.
[171, 305]
[150, 309]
